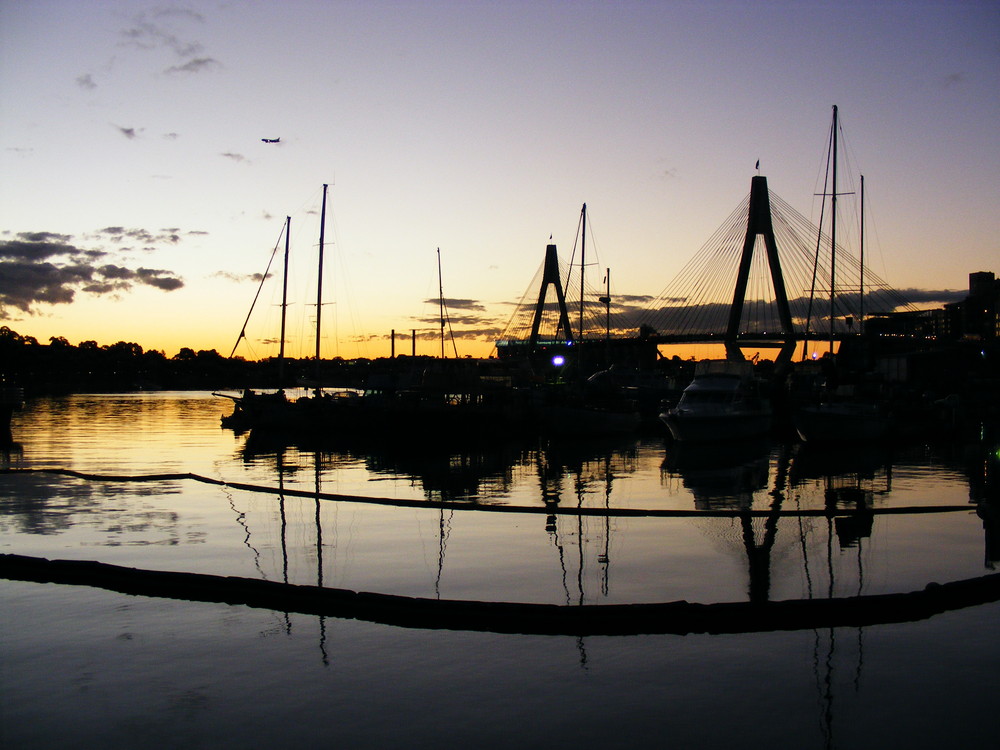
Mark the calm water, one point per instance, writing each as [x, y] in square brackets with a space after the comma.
[84, 666]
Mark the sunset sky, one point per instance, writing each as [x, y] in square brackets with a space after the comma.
[137, 199]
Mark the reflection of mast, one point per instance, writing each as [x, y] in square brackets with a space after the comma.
[850, 531]
[551, 474]
[579, 541]
[604, 559]
[241, 520]
[444, 531]
[550, 481]
[319, 551]
[284, 527]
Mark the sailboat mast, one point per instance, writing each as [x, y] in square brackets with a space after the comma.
[607, 307]
[441, 301]
[319, 286]
[583, 263]
[861, 311]
[284, 304]
[833, 230]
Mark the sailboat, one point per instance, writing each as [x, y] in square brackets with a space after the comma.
[275, 411]
[11, 400]
[595, 406]
[840, 414]
[251, 408]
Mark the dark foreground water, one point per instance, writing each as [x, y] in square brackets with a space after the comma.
[81, 666]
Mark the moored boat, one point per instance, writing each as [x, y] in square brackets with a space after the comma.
[11, 399]
[841, 421]
[723, 402]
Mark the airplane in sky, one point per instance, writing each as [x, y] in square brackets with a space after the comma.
[271, 140]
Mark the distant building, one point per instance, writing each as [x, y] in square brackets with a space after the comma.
[975, 318]
[910, 324]
[980, 309]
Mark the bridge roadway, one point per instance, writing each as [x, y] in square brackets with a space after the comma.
[749, 339]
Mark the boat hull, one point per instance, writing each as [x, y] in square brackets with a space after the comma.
[581, 420]
[705, 427]
[840, 423]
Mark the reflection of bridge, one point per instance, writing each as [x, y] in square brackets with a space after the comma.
[768, 278]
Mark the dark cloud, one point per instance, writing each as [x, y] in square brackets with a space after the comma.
[86, 81]
[45, 268]
[954, 79]
[451, 303]
[157, 277]
[942, 296]
[147, 35]
[674, 316]
[196, 65]
[241, 277]
[633, 300]
[121, 234]
[130, 133]
[178, 13]
[37, 247]
[238, 158]
[115, 272]
[171, 136]
[169, 29]
[43, 237]
[463, 321]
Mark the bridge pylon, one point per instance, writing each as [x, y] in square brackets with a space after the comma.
[759, 223]
[550, 275]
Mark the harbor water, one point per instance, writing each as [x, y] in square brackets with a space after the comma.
[151, 481]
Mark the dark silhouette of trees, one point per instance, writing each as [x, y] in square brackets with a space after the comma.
[61, 367]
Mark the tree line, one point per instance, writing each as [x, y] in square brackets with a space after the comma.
[61, 367]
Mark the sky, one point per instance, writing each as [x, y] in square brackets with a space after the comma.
[139, 203]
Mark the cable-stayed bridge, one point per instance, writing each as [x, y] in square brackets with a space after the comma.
[763, 279]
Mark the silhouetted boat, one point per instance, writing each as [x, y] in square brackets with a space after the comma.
[11, 399]
[590, 417]
[723, 402]
[841, 421]
[274, 410]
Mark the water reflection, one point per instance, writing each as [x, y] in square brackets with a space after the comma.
[43, 504]
[720, 475]
[755, 531]
[796, 522]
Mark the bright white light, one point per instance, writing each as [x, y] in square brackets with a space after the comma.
[558, 360]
